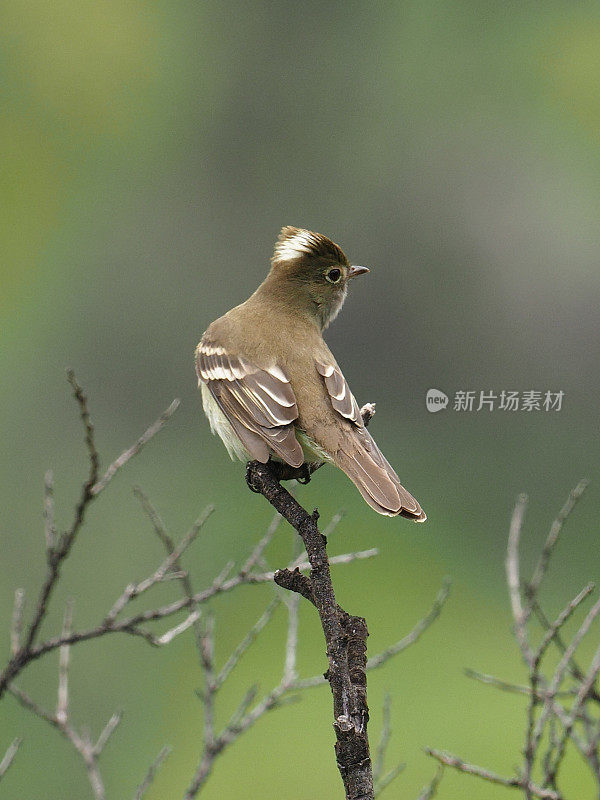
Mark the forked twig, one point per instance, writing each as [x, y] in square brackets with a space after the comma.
[556, 713]
[58, 548]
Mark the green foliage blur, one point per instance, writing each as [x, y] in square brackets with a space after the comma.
[150, 154]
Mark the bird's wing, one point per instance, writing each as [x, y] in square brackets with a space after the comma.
[258, 403]
[339, 392]
[361, 459]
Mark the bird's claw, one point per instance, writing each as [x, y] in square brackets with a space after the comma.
[304, 477]
[250, 478]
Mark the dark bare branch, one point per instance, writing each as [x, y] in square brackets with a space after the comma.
[345, 637]
[295, 581]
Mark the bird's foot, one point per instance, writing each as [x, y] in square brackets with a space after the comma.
[250, 477]
[304, 474]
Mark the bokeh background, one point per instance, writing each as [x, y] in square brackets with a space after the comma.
[150, 154]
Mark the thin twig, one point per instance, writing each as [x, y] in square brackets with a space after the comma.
[81, 743]
[582, 695]
[386, 779]
[9, 756]
[513, 579]
[246, 642]
[574, 667]
[562, 618]
[168, 636]
[429, 792]
[49, 529]
[107, 732]
[17, 621]
[206, 649]
[532, 736]
[417, 631]
[506, 686]
[66, 540]
[384, 739]
[151, 774]
[560, 672]
[131, 625]
[62, 702]
[134, 590]
[257, 552]
[542, 565]
[290, 673]
[127, 455]
[381, 780]
[450, 760]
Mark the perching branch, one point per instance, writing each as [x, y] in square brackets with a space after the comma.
[345, 636]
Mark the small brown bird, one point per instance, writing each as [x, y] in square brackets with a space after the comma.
[271, 387]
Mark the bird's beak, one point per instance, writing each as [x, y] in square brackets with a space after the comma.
[354, 271]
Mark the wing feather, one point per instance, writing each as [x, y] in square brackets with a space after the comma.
[259, 404]
[342, 398]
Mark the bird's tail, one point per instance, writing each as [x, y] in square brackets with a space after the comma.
[365, 465]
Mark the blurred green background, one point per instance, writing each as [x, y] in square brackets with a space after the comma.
[151, 152]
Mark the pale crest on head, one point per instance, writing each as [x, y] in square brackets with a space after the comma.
[294, 243]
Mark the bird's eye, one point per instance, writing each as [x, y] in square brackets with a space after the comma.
[334, 275]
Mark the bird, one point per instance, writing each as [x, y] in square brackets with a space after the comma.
[271, 387]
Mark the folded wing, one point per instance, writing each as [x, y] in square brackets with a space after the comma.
[361, 459]
[258, 403]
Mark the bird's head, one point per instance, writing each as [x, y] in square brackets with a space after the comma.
[314, 270]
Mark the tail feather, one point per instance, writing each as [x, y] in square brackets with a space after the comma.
[376, 480]
[372, 479]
